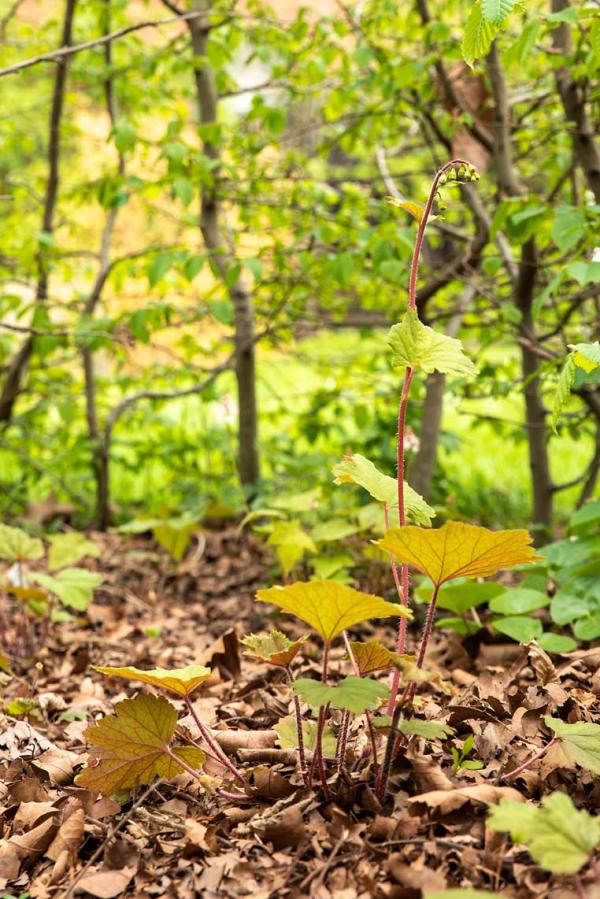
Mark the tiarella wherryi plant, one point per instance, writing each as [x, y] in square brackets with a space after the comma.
[452, 551]
[455, 550]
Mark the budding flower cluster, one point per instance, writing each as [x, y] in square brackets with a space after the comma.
[461, 172]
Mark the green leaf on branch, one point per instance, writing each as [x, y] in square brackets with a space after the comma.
[288, 735]
[495, 11]
[580, 742]
[418, 346]
[356, 469]
[330, 607]
[519, 627]
[478, 36]
[73, 586]
[558, 836]
[17, 546]
[356, 694]
[132, 747]
[563, 390]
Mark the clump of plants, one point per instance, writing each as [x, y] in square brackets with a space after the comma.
[41, 582]
[325, 726]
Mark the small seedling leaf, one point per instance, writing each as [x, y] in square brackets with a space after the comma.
[416, 345]
[356, 469]
[329, 607]
[414, 209]
[374, 656]
[18, 546]
[288, 736]
[73, 586]
[180, 681]
[558, 836]
[458, 550]
[273, 647]
[356, 694]
[581, 742]
[290, 543]
[430, 730]
[131, 746]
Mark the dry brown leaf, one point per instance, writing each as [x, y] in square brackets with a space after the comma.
[232, 740]
[58, 764]
[106, 884]
[10, 861]
[69, 837]
[446, 801]
[284, 829]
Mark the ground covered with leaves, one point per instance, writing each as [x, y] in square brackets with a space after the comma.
[183, 838]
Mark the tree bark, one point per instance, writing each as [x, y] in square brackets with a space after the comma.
[245, 353]
[535, 411]
[18, 365]
[523, 292]
[572, 95]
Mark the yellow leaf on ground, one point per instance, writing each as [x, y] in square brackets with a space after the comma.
[132, 746]
[458, 550]
[374, 656]
[273, 647]
[181, 681]
[329, 607]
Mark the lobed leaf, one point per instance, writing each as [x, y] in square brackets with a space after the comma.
[581, 742]
[73, 586]
[558, 836]
[418, 346]
[17, 546]
[374, 656]
[131, 746]
[356, 469]
[273, 647]
[180, 681]
[356, 694]
[66, 549]
[328, 606]
[458, 550]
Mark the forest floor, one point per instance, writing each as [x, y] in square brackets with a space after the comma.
[176, 839]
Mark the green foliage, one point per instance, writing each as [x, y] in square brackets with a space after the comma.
[580, 742]
[558, 836]
[17, 546]
[356, 694]
[417, 346]
[461, 760]
[478, 35]
[73, 586]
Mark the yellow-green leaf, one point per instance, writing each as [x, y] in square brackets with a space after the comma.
[458, 550]
[416, 345]
[290, 543]
[4, 663]
[66, 549]
[131, 746]
[273, 647]
[374, 656]
[73, 586]
[18, 546]
[181, 681]
[414, 209]
[356, 469]
[329, 607]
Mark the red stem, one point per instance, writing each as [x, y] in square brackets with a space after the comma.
[212, 743]
[534, 758]
[299, 734]
[427, 631]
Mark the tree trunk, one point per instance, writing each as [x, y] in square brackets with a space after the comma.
[572, 95]
[18, 365]
[423, 467]
[245, 367]
[535, 412]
